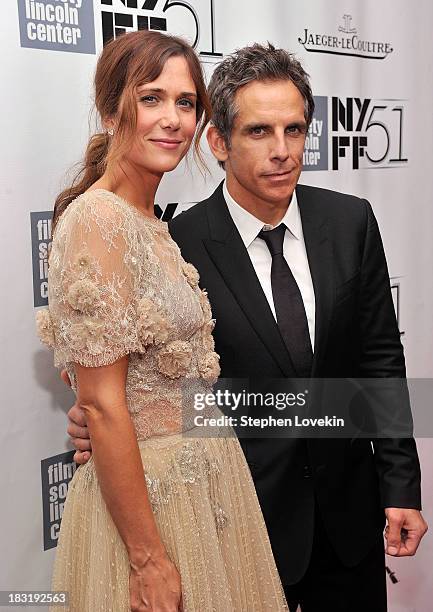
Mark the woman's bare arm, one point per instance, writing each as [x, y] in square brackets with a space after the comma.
[101, 394]
[154, 582]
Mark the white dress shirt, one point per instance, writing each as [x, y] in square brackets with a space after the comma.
[293, 250]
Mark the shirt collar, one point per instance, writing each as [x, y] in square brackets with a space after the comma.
[249, 226]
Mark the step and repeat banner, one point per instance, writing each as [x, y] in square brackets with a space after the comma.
[371, 67]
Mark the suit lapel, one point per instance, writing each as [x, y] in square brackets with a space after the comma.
[228, 253]
[320, 258]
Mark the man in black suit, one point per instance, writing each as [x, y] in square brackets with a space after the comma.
[299, 287]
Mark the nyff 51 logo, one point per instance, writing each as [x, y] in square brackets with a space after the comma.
[367, 133]
[363, 133]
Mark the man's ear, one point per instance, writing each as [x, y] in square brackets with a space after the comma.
[217, 144]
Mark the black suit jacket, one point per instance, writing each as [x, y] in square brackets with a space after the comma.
[356, 336]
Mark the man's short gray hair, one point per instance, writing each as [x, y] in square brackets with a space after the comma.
[254, 63]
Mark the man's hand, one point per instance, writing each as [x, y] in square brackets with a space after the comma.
[404, 531]
[77, 429]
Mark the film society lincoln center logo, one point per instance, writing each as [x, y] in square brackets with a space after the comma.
[57, 25]
[56, 474]
[40, 223]
[69, 25]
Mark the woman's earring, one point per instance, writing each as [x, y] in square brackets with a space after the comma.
[110, 132]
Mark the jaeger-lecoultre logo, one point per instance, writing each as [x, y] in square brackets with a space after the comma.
[348, 42]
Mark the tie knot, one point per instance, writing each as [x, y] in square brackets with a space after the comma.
[274, 239]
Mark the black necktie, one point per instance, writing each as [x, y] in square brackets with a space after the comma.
[288, 303]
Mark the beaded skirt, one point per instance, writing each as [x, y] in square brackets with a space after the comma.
[209, 519]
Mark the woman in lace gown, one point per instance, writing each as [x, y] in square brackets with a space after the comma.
[160, 518]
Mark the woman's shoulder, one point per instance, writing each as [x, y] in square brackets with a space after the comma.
[98, 210]
[99, 203]
[104, 204]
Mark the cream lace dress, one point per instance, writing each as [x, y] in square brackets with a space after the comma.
[118, 285]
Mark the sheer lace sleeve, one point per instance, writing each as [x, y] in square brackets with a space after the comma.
[93, 280]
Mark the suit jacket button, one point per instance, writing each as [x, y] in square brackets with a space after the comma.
[307, 471]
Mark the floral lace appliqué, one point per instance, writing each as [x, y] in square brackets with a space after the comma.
[153, 327]
[175, 358]
[83, 295]
[209, 367]
[191, 274]
[89, 333]
[44, 327]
